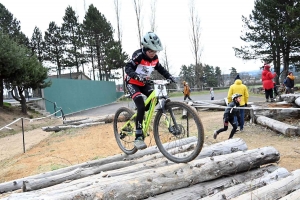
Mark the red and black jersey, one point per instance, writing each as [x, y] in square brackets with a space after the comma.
[143, 66]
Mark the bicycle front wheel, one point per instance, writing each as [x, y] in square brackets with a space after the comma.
[124, 130]
[178, 132]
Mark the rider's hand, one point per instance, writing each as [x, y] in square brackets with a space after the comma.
[139, 78]
[172, 79]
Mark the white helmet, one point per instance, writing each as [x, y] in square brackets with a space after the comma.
[236, 95]
[152, 41]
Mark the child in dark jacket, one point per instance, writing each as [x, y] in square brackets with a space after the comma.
[231, 115]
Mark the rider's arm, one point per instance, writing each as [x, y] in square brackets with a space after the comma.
[162, 71]
[131, 65]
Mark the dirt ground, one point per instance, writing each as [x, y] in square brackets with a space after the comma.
[50, 151]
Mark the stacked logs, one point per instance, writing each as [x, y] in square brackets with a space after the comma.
[225, 170]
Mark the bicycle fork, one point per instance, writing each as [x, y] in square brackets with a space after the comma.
[175, 130]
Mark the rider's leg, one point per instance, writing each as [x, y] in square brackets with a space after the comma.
[146, 90]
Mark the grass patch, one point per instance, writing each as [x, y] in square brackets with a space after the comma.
[56, 166]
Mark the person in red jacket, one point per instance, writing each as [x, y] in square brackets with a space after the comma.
[267, 81]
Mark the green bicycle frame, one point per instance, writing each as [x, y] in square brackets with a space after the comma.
[152, 99]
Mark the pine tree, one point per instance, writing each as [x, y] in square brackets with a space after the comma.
[218, 77]
[101, 32]
[37, 44]
[72, 34]
[187, 73]
[115, 59]
[270, 34]
[54, 46]
[10, 29]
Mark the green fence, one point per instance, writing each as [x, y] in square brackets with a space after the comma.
[76, 95]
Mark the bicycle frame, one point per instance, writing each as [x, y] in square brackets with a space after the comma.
[158, 92]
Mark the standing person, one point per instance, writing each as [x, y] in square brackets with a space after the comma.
[239, 88]
[231, 115]
[186, 91]
[290, 83]
[268, 85]
[212, 94]
[139, 68]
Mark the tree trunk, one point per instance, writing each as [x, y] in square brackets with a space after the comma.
[1, 92]
[277, 113]
[60, 128]
[278, 126]
[220, 102]
[151, 182]
[297, 101]
[275, 190]
[80, 123]
[290, 98]
[209, 188]
[17, 184]
[113, 163]
[23, 103]
[249, 185]
[292, 196]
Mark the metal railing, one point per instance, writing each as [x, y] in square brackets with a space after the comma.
[55, 108]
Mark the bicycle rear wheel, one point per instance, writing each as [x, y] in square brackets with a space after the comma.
[175, 129]
[125, 135]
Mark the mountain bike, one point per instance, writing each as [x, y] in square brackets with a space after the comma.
[175, 123]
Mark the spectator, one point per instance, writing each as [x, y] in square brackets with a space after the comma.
[240, 88]
[231, 115]
[212, 95]
[290, 83]
[268, 85]
[186, 91]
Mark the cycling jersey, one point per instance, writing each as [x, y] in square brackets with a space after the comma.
[141, 65]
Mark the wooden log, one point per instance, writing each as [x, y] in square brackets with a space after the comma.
[220, 102]
[208, 188]
[292, 196]
[147, 162]
[17, 184]
[151, 182]
[297, 101]
[277, 113]
[71, 121]
[247, 186]
[290, 98]
[60, 128]
[222, 148]
[278, 126]
[274, 190]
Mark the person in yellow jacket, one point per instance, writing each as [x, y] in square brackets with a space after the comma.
[186, 91]
[240, 88]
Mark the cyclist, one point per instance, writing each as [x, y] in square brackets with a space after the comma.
[139, 69]
[231, 115]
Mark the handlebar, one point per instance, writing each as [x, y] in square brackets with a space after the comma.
[159, 82]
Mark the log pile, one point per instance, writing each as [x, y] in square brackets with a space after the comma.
[287, 106]
[225, 170]
[80, 123]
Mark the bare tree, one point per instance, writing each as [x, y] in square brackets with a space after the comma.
[119, 32]
[165, 61]
[195, 42]
[118, 12]
[153, 15]
[138, 9]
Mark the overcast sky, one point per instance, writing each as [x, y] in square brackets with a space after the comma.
[221, 26]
